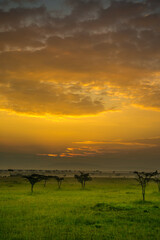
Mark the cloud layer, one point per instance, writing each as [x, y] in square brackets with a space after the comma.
[79, 57]
[102, 149]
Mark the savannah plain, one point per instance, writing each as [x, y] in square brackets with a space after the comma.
[107, 209]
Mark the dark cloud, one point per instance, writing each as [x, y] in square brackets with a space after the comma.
[146, 22]
[21, 39]
[18, 17]
[4, 3]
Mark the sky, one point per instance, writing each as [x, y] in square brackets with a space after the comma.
[80, 84]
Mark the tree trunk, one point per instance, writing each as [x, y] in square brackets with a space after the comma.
[32, 188]
[59, 184]
[143, 193]
[45, 183]
[143, 196]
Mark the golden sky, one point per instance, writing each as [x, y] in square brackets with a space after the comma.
[79, 84]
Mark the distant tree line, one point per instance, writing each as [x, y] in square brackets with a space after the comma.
[143, 179]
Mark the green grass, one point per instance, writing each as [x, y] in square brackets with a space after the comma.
[107, 209]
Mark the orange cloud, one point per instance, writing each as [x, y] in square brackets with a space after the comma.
[48, 154]
[93, 148]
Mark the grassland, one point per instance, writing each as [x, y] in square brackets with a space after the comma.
[107, 209]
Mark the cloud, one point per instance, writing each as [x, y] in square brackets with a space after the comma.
[7, 2]
[114, 45]
[148, 97]
[48, 154]
[20, 17]
[28, 38]
[95, 148]
[47, 98]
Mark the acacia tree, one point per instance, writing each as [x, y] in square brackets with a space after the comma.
[46, 178]
[59, 181]
[83, 178]
[143, 178]
[157, 180]
[33, 179]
